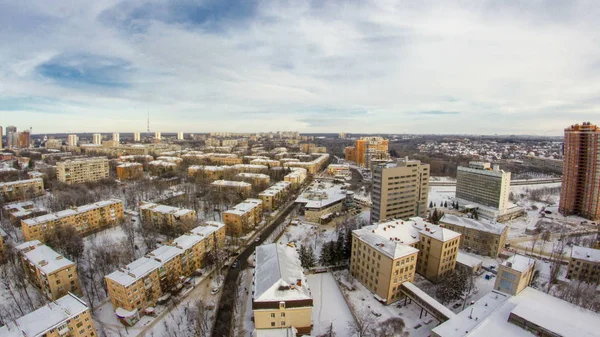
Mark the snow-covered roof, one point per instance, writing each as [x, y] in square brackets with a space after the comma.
[187, 241]
[587, 254]
[129, 164]
[484, 226]
[46, 318]
[430, 300]
[21, 182]
[211, 168]
[434, 231]
[321, 194]
[162, 163]
[277, 188]
[209, 228]
[68, 212]
[392, 248]
[231, 183]
[165, 253]
[84, 160]
[43, 257]
[468, 260]
[279, 275]
[19, 209]
[249, 167]
[164, 209]
[134, 271]
[245, 206]
[518, 262]
[252, 175]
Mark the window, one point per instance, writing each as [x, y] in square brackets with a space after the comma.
[282, 323]
[272, 323]
[283, 314]
[272, 315]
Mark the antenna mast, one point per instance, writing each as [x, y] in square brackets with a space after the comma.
[148, 120]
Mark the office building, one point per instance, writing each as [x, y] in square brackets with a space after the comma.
[281, 295]
[515, 274]
[243, 217]
[482, 237]
[580, 191]
[68, 316]
[163, 215]
[22, 189]
[400, 190]
[116, 138]
[53, 274]
[481, 184]
[137, 137]
[72, 140]
[179, 135]
[367, 149]
[275, 195]
[85, 219]
[77, 171]
[584, 265]
[130, 171]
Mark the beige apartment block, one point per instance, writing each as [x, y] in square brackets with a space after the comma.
[163, 215]
[281, 295]
[225, 159]
[68, 316]
[515, 274]
[139, 285]
[243, 217]
[400, 190]
[250, 168]
[234, 186]
[85, 219]
[210, 173]
[480, 236]
[339, 170]
[312, 167]
[130, 171]
[257, 179]
[266, 162]
[22, 189]
[83, 170]
[49, 271]
[480, 183]
[275, 195]
[584, 265]
[296, 177]
[22, 210]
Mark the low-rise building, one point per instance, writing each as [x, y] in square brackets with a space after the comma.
[250, 168]
[339, 170]
[266, 162]
[254, 178]
[85, 219]
[163, 215]
[130, 171]
[481, 236]
[209, 172]
[322, 199]
[82, 170]
[236, 186]
[243, 217]
[67, 316]
[52, 273]
[281, 296]
[274, 196]
[469, 263]
[584, 265]
[22, 210]
[296, 177]
[515, 274]
[313, 166]
[225, 159]
[22, 189]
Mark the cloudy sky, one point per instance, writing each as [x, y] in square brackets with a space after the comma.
[478, 67]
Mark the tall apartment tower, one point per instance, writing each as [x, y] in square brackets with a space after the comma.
[400, 190]
[1, 148]
[367, 149]
[480, 183]
[137, 137]
[11, 137]
[72, 140]
[180, 135]
[116, 137]
[580, 192]
[24, 139]
[97, 139]
[157, 135]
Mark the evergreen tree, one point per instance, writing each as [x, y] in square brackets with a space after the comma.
[302, 256]
[311, 259]
[339, 255]
[348, 244]
[445, 204]
[431, 204]
[326, 254]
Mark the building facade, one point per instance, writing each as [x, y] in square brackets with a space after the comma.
[515, 274]
[584, 265]
[580, 191]
[275, 195]
[243, 217]
[22, 189]
[484, 185]
[84, 170]
[367, 149]
[400, 190]
[130, 171]
[481, 237]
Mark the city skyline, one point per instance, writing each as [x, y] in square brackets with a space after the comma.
[488, 68]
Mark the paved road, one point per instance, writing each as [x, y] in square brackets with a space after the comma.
[223, 324]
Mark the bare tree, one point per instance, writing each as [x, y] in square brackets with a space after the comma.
[558, 252]
[363, 323]
[391, 327]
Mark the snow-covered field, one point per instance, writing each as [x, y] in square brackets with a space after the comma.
[330, 308]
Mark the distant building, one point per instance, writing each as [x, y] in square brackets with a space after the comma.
[342, 135]
[130, 171]
[57, 143]
[515, 274]
[137, 137]
[3, 238]
[482, 237]
[584, 265]
[243, 217]
[275, 195]
[481, 184]
[179, 135]
[163, 215]
[77, 171]
[1, 139]
[116, 138]
[22, 189]
[22, 210]
[97, 139]
[312, 167]
[11, 137]
[24, 139]
[339, 170]
[259, 179]
[229, 185]
[296, 177]
[72, 140]
[366, 149]
[157, 136]
[281, 296]
[400, 190]
[580, 191]
[548, 164]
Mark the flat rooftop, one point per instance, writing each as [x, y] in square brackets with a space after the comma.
[68, 212]
[43, 257]
[164, 209]
[587, 254]
[518, 262]
[480, 225]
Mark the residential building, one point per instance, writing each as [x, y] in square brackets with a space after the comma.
[210, 173]
[53, 274]
[67, 316]
[24, 139]
[480, 236]
[130, 171]
[281, 296]
[86, 219]
[97, 139]
[22, 210]
[243, 217]
[235, 186]
[296, 177]
[312, 167]
[322, 199]
[137, 137]
[116, 138]
[438, 248]
[157, 136]
[72, 140]
[339, 170]
[274, 196]
[584, 265]
[140, 284]
[179, 135]
[515, 274]
[55, 143]
[250, 168]
[367, 149]
[11, 137]
[529, 313]
[77, 171]
[266, 162]
[481, 184]
[22, 189]
[225, 159]
[254, 178]
[163, 215]
[1, 140]
[580, 190]
[400, 190]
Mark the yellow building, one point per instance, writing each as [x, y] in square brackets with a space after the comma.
[243, 217]
[163, 215]
[296, 177]
[515, 274]
[339, 170]
[312, 167]
[49, 271]
[236, 186]
[481, 237]
[225, 159]
[274, 196]
[366, 149]
[22, 189]
[281, 296]
[584, 265]
[67, 316]
[250, 168]
[266, 162]
[22, 210]
[86, 219]
[83, 170]
[130, 171]
[257, 179]
[210, 173]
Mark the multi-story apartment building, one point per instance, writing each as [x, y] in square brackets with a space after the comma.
[49, 271]
[481, 184]
[281, 296]
[296, 177]
[210, 173]
[367, 149]
[163, 215]
[338, 170]
[515, 274]
[400, 190]
[313, 166]
[85, 219]
[275, 195]
[130, 171]
[584, 265]
[83, 170]
[243, 217]
[97, 139]
[67, 316]
[72, 140]
[259, 179]
[266, 162]
[250, 168]
[22, 189]
[225, 159]
[322, 199]
[22, 210]
[241, 187]
[580, 192]
[437, 251]
[482, 237]
[140, 284]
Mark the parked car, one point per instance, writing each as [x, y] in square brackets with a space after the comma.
[235, 264]
[457, 305]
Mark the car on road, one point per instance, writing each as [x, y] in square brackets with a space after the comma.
[457, 305]
[235, 264]
[215, 290]
[257, 239]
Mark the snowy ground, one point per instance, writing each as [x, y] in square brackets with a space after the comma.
[330, 308]
[307, 234]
